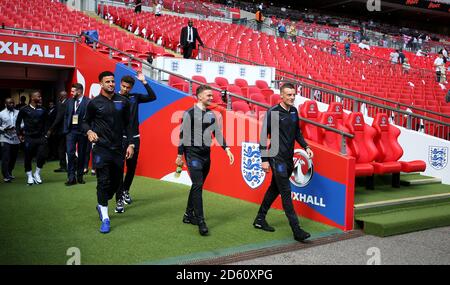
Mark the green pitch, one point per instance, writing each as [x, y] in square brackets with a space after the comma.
[40, 223]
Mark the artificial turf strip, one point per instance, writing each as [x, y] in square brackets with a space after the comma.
[40, 223]
[386, 192]
[393, 220]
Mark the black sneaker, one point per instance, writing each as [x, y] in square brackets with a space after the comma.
[262, 225]
[189, 219]
[300, 235]
[60, 170]
[202, 228]
[119, 207]
[127, 198]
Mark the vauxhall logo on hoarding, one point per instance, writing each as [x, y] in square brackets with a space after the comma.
[24, 49]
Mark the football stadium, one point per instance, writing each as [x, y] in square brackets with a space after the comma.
[333, 114]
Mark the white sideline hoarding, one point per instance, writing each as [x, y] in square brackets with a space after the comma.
[211, 69]
[434, 151]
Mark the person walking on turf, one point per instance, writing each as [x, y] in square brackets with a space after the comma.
[9, 140]
[281, 124]
[198, 125]
[126, 84]
[35, 136]
[106, 120]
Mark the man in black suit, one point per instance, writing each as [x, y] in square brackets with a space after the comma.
[188, 38]
[57, 130]
[76, 140]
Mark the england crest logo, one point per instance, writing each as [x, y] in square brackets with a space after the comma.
[251, 165]
[438, 157]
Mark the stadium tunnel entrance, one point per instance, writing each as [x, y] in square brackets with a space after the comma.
[19, 80]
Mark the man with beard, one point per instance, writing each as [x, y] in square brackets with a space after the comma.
[281, 125]
[34, 134]
[8, 139]
[106, 120]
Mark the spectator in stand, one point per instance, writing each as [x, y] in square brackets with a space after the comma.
[259, 19]
[138, 6]
[158, 9]
[282, 29]
[444, 52]
[347, 46]
[440, 67]
[406, 66]
[333, 48]
[394, 56]
[420, 53]
[364, 45]
[401, 56]
[293, 32]
[415, 43]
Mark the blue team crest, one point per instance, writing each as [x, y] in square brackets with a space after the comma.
[251, 165]
[438, 157]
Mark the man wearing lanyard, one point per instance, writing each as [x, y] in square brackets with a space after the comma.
[8, 139]
[76, 140]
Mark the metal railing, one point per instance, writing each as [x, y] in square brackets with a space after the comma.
[210, 54]
[399, 117]
[157, 74]
[28, 32]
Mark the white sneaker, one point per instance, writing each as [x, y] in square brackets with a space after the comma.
[37, 178]
[30, 180]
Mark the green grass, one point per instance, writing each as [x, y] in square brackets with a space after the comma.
[383, 190]
[40, 222]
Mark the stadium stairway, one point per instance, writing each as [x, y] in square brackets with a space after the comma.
[421, 203]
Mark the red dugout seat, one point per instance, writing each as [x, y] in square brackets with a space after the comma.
[390, 151]
[362, 144]
[332, 139]
[309, 110]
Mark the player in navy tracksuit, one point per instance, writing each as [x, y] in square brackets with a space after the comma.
[106, 120]
[279, 158]
[126, 84]
[34, 134]
[198, 125]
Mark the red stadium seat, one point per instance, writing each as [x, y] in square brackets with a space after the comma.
[362, 144]
[390, 150]
[242, 83]
[310, 111]
[332, 139]
[199, 78]
[274, 99]
[241, 106]
[222, 82]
